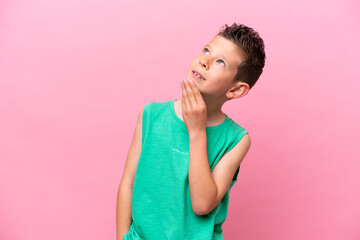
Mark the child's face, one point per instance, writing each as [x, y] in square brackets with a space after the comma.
[217, 63]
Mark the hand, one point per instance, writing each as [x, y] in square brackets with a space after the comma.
[193, 107]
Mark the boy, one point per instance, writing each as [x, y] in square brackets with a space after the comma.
[185, 155]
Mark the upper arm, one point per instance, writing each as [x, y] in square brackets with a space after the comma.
[225, 169]
[133, 155]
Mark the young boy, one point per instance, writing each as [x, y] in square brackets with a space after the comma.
[185, 155]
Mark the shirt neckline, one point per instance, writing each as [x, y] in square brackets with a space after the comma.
[182, 123]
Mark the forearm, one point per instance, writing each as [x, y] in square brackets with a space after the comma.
[123, 210]
[201, 183]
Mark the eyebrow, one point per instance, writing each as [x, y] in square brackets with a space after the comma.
[220, 55]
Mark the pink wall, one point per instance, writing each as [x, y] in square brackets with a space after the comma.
[74, 75]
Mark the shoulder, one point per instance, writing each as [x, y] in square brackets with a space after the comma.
[155, 105]
[241, 143]
[236, 135]
[245, 143]
[155, 112]
[235, 126]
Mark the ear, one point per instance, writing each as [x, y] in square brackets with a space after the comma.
[239, 90]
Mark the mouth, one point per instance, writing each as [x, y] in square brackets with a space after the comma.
[197, 75]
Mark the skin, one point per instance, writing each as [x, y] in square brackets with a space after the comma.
[200, 106]
[218, 63]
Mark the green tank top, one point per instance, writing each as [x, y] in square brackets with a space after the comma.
[161, 204]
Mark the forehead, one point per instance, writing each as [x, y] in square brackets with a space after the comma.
[223, 46]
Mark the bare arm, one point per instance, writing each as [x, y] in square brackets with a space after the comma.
[201, 183]
[207, 188]
[124, 196]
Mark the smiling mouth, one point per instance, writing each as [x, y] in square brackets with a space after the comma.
[198, 75]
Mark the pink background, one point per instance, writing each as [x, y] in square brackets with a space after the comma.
[74, 75]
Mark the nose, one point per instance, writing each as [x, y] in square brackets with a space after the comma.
[204, 62]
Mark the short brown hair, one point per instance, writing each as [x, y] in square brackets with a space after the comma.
[252, 45]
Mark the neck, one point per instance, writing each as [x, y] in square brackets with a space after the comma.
[215, 116]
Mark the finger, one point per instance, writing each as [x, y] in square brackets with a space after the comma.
[186, 95]
[197, 94]
[190, 93]
[185, 99]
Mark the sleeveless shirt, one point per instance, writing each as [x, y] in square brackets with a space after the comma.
[161, 203]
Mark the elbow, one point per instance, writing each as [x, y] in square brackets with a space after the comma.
[204, 202]
[203, 206]
[201, 209]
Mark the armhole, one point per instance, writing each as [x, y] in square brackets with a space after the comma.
[233, 181]
[236, 140]
[144, 122]
[236, 174]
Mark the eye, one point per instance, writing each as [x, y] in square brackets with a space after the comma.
[205, 50]
[221, 62]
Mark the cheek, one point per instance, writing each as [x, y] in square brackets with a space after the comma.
[195, 60]
[226, 80]
[230, 75]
